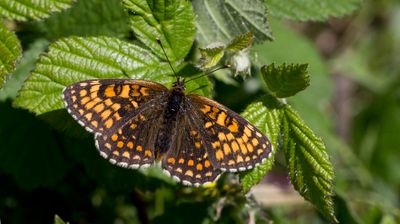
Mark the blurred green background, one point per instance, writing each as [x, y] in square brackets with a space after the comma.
[353, 103]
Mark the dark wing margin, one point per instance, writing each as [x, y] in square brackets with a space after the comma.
[103, 105]
[187, 160]
[233, 144]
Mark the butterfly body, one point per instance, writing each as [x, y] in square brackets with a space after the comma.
[174, 105]
[138, 122]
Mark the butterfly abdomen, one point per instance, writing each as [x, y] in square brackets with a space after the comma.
[169, 122]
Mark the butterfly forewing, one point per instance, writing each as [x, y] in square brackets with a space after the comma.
[123, 113]
[187, 159]
[103, 105]
[233, 144]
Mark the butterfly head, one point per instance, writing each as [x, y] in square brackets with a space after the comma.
[179, 84]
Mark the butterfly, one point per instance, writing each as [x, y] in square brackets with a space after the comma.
[137, 123]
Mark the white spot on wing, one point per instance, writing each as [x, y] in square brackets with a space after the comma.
[96, 143]
[177, 179]
[103, 154]
[166, 172]
[134, 166]
[187, 183]
[113, 161]
[144, 166]
[123, 164]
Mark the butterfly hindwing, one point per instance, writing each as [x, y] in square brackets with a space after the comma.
[132, 145]
[102, 105]
[187, 159]
[233, 144]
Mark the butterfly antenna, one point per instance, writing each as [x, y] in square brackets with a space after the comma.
[165, 53]
[210, 72]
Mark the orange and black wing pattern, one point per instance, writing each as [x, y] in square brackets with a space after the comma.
[187, 160]
[232, 143]
[132, 145]
[123, 114]
[103, 105]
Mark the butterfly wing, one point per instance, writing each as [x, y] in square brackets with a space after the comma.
[187, 159]
[123, 114]
[232, 143]
[132, 145]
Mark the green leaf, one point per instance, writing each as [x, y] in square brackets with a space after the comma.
[219, 20]
[310, 170]
[241, 42]
[313, 104]
[286, 80]
[58, 220]
[10, 49]
[87, 18]
[30, 151]
[314, 10]
[14, 84]
[210, 56]
[24, 10]
[75, 59]
[266, 114]
[170, 20]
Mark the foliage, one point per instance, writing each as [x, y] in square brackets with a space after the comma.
[286, 80]
[286, 94]
[32, 10]
[311, 9]
[223, 20]
[86, 18]
[11, 52]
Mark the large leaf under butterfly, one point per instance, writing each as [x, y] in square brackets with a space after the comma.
[138, 122]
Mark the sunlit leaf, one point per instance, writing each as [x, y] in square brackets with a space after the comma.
[58, 220]
[241, 42]
[265, 114]
[26, 65]
[170, 20]
[75, 59]
[210, 56]
[87, 18]
[31, 9]
[10, 49]
[310, 170]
